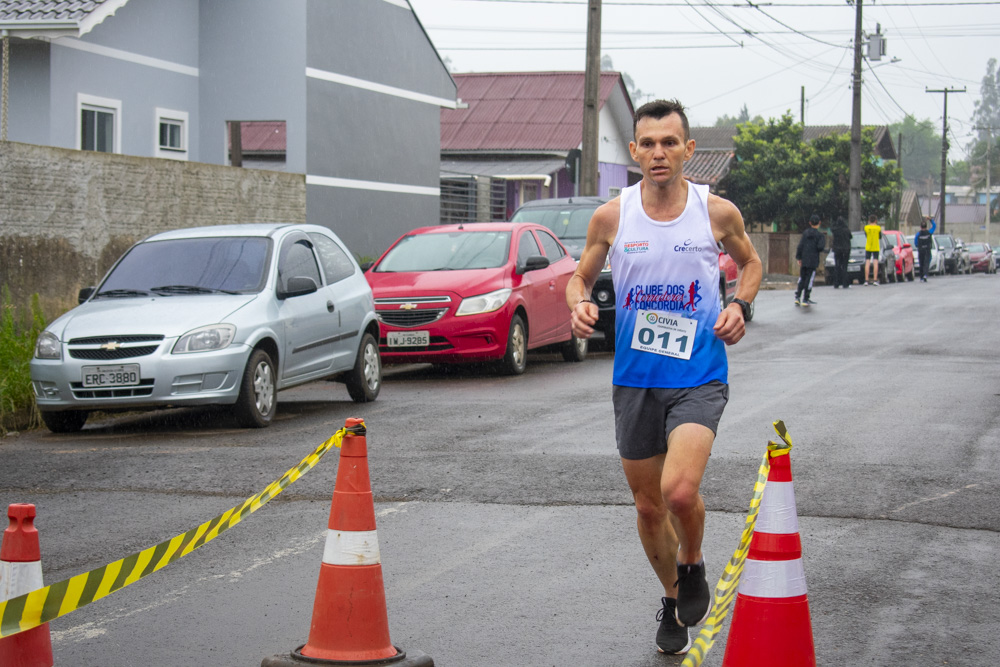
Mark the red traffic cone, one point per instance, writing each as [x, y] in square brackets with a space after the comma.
[350, 624]
[771, 624]
[20, 573]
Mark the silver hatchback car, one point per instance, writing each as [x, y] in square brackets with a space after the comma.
[223, 315]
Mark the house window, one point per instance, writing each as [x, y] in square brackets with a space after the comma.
[99, 124]
[171, 134]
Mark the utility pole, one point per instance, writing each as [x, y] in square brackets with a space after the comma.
[802, 107]
[944, 150]
[854, 193]
[899, 196]
[4, 85]
[591, 93]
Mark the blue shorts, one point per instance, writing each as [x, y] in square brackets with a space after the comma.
[644, 417]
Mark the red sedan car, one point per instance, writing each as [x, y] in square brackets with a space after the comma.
[981, 258]
[904, 255]
[474, 292]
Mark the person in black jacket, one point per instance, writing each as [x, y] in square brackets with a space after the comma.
[924, 242]
[841, 253]
[810, 246]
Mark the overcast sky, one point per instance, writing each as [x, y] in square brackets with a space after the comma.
[716, 57]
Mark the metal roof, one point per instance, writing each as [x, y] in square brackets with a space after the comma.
[521, 110]
[516, 168]
[708, 166]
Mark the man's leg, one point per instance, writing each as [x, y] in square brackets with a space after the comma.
[655, 529]
[688, 449]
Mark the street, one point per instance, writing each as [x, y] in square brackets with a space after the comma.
[506, 528]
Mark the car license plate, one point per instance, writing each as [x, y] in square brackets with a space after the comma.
[111, 376]
[853, 268]
[408, 338]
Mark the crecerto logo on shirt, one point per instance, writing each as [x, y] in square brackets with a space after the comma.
[687, 247]
[636, 247]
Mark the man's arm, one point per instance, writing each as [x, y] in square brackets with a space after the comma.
[600, 235]
[727, 225]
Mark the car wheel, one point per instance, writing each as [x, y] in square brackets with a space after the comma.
[575, 349]
[69, 421]
[365, 380]
[516, 358]
[256, 404]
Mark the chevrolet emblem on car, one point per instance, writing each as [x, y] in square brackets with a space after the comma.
[407, 306]
[111, 346]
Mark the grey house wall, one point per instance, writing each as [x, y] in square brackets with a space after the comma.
[385, 143]
[365, 131]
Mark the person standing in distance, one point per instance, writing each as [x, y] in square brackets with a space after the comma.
[924, 242]
[810, 246]
[841, 253]
[873, 239]
[670, 378]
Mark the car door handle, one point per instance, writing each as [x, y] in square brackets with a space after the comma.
[329, 306]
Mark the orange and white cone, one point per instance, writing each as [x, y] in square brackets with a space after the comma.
[20, 573]
[771, 624]
[350, 624]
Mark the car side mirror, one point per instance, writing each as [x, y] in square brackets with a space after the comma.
[534, 263]
[366, 265]
[907, 245]
[84, 294]
[298, 286]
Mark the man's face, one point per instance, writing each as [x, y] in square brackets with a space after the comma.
[660, 148]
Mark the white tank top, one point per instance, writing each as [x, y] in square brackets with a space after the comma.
[666, 277]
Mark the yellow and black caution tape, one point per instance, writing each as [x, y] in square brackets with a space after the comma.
[728, 585]
[45, 604]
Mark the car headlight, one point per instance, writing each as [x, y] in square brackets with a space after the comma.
[205, 339]
[484, 303]
[48, 346]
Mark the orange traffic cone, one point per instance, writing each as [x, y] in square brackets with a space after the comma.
[350, 624]
[771, 624]
[20, 573]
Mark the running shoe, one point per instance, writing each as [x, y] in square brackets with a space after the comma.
[806, 304]
[809, 302]
[693, 597]
[875, 283]
[671, 638]
[797, 302]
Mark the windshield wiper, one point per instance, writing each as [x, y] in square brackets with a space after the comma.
[191, 289]
[117, 293]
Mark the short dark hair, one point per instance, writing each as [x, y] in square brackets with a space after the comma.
[658, 109]
[923, 224]
[872, 218]
[814, 219]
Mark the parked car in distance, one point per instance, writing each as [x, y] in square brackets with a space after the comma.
[936, 267]
[856, 261]
[981, 258]
[903, 251]
[474, 292]
[568, 218]
[955, 261]
[225, 315]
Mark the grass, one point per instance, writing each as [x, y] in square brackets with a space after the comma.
[18, 331]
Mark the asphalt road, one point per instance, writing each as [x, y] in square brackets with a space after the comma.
[506, 530]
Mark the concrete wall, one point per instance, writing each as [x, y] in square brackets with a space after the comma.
[66, 215]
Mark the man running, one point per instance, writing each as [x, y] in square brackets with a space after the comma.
[670, 370]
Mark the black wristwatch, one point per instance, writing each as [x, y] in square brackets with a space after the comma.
[745, 307]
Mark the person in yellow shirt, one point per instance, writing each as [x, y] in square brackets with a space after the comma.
[873, 237]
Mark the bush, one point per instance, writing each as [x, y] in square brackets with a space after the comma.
[18, 331]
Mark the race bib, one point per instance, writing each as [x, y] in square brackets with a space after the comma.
[662, 333]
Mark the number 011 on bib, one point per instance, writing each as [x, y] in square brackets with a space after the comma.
[664, 333]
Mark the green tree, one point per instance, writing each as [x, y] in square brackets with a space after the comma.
[986, 121]
[635, 93]
[919, 152]
[726, 120]
[779, 178]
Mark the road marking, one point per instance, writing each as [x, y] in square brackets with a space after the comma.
[933, 498]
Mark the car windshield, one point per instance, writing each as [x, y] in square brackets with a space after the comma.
[568, 223]
[858, 240]
[892, 239]
[447, 251]
[945, 242]
[235, 265]
[976, 247]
